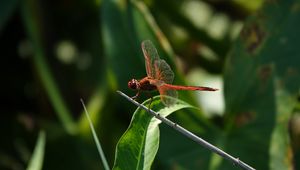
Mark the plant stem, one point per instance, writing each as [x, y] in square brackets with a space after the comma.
[190, 135]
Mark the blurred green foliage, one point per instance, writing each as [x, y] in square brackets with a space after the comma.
[55, 53]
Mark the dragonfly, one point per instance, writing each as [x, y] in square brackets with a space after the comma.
[159, 77]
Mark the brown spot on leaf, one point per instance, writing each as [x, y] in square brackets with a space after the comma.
[264, 74]
[292, 71]
[244, 118]
[253, 36]
[295, 7]
[289, 159]
[290, 79]
[294, 130]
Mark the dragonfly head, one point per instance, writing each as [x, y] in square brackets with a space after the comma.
[134, 84]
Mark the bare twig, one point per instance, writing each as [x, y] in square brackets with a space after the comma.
[190, 135]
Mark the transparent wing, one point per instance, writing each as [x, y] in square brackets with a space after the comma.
[167, 96]
[163, 71]
[151, 55]
[160, 71]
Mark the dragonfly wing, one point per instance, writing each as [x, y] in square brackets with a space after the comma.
[167, 96]
[163, 71]
[160, 72]
[151, 55]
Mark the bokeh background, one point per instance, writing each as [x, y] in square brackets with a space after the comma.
[56, 52]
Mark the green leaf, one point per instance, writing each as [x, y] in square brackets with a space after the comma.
[100, 150]
[139, 144]
[281, 149]
[183, 153]
[36, 161]
[250, 124]
[121, 44]
[263, 65]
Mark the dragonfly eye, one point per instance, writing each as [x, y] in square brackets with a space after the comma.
[132, 84]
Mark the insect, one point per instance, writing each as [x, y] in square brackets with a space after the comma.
[159, 77]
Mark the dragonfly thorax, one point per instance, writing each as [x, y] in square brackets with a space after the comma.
[134, 84]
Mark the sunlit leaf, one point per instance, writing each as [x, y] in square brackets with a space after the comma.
[139, 144]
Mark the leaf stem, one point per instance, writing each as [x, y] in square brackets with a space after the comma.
[190, 135]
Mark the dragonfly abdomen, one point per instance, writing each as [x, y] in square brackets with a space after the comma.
[177, 87]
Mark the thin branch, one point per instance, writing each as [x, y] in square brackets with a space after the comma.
[190, 135]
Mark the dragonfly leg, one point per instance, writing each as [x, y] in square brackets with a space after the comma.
[136, 96]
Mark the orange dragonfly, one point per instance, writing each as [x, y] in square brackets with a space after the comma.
[159, 77]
